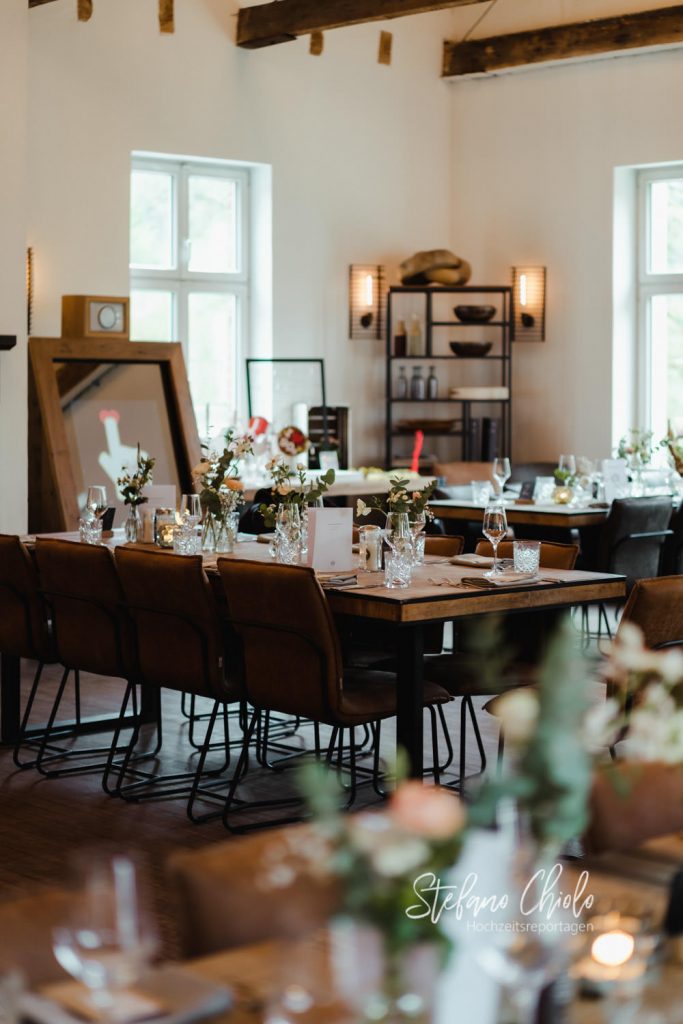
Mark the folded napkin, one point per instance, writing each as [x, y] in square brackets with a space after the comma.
[166, 995]
[337, 579]
[474, 561]
[506, 579]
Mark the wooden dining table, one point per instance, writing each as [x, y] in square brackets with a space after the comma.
[436, 594]
[638, 879]
[566, 517]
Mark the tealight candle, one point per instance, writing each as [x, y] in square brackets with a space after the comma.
[613, 949]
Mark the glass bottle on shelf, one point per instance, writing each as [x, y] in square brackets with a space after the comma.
[432, 384]
[401, 340]
[402, 383]
[415, 340]
[418, 388]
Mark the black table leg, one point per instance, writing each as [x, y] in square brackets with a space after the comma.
[410, 686]
[10, 679]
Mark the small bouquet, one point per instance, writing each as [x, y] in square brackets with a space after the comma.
[645, 711]
[636, 445]
[216, 476]
[399, 499]
[289, 487]
[292, 441]
[380, 858]
[131, 485]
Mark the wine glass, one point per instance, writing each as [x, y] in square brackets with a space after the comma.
[108, 937]
[494, 529]
[567, 464]
[398, 534]
[190, 509]
[96, 501]
[501, 472]
[418, 522]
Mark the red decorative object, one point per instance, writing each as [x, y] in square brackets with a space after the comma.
[417, 449]
[292, 441]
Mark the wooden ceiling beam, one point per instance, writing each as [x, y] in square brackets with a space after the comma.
[660, 27]
[37, 3]
[283, 20]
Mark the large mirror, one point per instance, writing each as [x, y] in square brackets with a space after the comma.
[95, 401]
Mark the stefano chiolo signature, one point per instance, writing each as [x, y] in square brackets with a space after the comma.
[542, 896]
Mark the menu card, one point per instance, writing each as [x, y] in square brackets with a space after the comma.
[330, 538]
[615, 478]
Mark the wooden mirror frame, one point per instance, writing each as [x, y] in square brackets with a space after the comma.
[53, 504]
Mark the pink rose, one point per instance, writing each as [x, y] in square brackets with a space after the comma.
[427, 811]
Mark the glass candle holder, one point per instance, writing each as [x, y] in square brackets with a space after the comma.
[164, 527]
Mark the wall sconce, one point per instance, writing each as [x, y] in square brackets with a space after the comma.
[528, 297]
[366, 301]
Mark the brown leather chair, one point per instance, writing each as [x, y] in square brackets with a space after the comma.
[91, 634]
[180, 644]
[553, 554]
[24, 625]
[224, 899]
[656, 606]
[293, 662]
[454, 473]
[444, 547]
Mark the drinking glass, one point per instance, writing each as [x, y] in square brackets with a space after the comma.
[481, 491]
[288, 534]
[189, 519]
[527, 556]
[108, 937]
[90, 530]
[501, 472]
[567, 464]
[494, 529]
[397, 570]
[96, 501]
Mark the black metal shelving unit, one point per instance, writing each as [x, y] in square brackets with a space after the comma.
[503, 325]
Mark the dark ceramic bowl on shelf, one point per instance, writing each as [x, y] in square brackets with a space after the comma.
[470, 349]
[474, 314]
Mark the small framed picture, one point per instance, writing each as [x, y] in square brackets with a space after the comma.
[328, 460]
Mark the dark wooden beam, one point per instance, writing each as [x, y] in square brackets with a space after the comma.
[283, 20]
[660, 27]
[37, 3]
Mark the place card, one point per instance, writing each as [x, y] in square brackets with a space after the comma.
[615, 479]
[330, 536]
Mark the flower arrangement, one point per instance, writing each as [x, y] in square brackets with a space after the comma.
[552, 778]
[645, 710]
[216, 476]
[131, 485]
[292, 441]
[636, 445]
[290, 487]
[399, 499]
[377, 857]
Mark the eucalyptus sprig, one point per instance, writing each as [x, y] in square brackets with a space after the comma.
[131, 485]
[217, 475]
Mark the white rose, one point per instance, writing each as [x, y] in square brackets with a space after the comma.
[601, 725]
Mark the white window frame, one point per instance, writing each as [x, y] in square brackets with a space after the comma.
[649, 285]
[179, 279]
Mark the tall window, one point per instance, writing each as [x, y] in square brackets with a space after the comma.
[189, 232]
[660, 298]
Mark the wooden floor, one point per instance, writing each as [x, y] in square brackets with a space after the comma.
[44, 821]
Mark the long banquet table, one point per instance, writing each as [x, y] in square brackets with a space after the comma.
[567, 517]
[435, 595]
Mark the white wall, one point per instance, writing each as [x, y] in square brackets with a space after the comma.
[534, 156]
[13, 86]
[360, 156]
